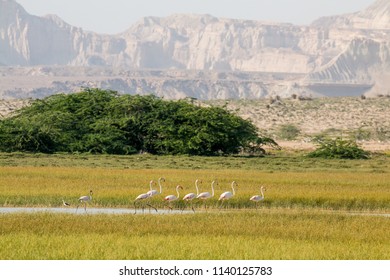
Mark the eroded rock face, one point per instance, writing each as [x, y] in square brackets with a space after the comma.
[350, 50]
[376, 16]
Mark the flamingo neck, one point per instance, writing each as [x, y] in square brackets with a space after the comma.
[262, 193]
[197, 188]
[212, 188]
[159, 183]
[233, 183]
[150, 185]
[178, 194]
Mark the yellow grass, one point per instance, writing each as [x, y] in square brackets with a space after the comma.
[46, 186]
[305, 215]
[262, 234]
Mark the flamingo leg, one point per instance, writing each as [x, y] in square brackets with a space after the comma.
[150, 206]
[135, 208]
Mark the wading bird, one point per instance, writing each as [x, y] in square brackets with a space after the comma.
[258, 198]
[189, 197]
[206, 195]
[152, 192]
[142, 197]
[66, 204]
[227, 195]
[172, 197]
[84, 199]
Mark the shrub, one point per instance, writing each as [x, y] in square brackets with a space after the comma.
[289, 132]
[338, 149]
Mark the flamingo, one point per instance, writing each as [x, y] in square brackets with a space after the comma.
[172, 197]
[191, 196]
[152, 192]
[257, 198]
[228, 195]
[206, 195]
[84, 199]
[142, 197]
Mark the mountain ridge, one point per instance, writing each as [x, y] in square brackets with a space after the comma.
[335, 50]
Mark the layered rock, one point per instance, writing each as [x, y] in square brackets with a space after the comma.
[347, 51]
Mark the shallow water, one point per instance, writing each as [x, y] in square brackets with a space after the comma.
[10, 210]
[119, 211]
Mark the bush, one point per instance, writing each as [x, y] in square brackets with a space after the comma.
[289, 132]
[338, 149]
[99, 121]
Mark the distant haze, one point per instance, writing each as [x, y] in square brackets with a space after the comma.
[194, 54]
[114, 16]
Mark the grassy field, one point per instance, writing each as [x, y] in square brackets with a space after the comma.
[314, 209]
[262, 234]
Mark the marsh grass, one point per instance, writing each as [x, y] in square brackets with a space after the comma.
[296, 220]
[47, 186]
[262, 234]
[277, 161]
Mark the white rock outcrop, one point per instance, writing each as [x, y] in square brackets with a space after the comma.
[350, 51]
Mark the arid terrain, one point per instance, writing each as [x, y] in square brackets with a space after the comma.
[294, 122]
[199, 56]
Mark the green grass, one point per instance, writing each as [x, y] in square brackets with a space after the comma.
[277, 161]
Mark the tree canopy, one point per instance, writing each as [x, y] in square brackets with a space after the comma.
[102, 121]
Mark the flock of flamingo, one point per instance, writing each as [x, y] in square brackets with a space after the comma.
[144, 198]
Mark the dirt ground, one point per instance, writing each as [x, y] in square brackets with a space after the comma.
[372, 146]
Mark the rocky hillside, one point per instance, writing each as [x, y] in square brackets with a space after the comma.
[376, 16]
[342, 55]
[294, 122]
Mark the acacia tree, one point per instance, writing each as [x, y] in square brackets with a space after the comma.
[100, 121]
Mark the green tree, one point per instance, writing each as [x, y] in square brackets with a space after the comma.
[99, 121]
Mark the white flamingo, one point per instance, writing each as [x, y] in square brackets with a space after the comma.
[152, 192]
[228, 195]
[145, 197]
[206, 195]
[84, 199]
[191, 196]
[172, 197]
[257, 198]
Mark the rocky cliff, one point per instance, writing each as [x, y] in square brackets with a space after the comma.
[346, 55]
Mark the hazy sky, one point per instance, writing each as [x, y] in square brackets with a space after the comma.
[114, 16]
